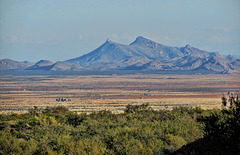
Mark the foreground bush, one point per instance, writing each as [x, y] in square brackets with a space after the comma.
[139, 130]
[221, 131]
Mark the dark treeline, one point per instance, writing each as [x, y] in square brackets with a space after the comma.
[139, 130]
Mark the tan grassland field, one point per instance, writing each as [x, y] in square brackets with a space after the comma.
[91, 93]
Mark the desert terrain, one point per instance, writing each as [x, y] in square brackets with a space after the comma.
[89, 93]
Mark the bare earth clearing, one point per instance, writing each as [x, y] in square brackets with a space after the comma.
[113, 92]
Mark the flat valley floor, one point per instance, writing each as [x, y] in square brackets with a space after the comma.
[89, 93]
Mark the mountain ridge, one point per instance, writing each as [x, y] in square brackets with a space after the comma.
[8, 64]
[143, 54]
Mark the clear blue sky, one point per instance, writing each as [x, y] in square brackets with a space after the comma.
[63, 29]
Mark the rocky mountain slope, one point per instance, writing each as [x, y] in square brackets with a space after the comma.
[41, 65]
[144, 54]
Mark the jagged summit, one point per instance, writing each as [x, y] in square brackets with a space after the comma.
[188, 46]
[141, 38]
[142, 41]
[108, 40]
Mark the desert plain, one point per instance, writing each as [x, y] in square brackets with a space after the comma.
[91, 93]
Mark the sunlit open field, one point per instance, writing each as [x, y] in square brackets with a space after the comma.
[113, 92]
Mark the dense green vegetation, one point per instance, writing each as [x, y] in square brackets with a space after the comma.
[139, 130]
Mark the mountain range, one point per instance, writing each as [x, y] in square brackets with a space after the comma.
[142, 54]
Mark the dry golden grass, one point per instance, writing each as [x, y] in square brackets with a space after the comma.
[114, 92]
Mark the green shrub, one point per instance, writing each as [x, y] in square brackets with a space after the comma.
[139, 130]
